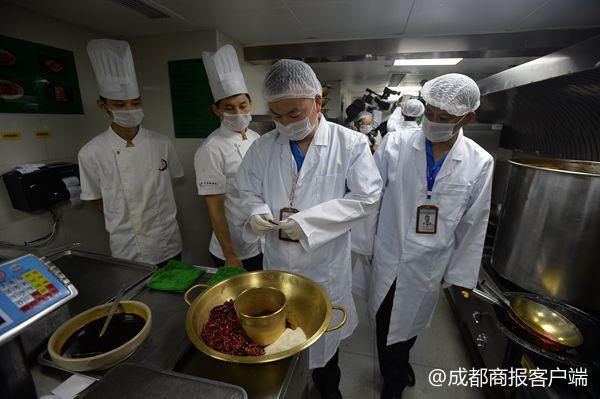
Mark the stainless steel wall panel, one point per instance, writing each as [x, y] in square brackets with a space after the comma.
[558, 117]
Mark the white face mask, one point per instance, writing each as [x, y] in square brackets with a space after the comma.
[128, 118]
[365, 128]
[296, 131]
[236, 122]
[438, 132]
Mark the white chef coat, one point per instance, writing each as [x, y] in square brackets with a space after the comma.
[338, 185]
[135, 186]
[216, 163]
[420, 262]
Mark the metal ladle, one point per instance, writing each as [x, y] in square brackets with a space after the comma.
[112, 310]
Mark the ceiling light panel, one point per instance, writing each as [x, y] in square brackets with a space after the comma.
[427, 61]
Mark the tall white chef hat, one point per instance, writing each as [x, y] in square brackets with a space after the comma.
[113, 66]
[224, 73]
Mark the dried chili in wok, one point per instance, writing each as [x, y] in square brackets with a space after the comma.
[225, 334]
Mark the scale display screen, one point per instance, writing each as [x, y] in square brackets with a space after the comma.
[30, 287]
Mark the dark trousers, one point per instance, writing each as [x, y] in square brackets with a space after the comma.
[251, 264]
[393, 359]
[166, 262]
[327, 378]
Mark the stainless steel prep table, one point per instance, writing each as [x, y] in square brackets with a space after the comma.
[287, 378]
[168, 347]
[98, 277]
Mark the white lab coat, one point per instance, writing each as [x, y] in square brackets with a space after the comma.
[216, 163]
[338, 185]
[408, 126]
[421, 262]
[135, 186]
[395, 120]
[404, 127]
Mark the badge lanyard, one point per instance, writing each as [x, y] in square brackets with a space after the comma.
[284, 213]
[295, 174]
[431, 175]
[433, 168]
[427, 215]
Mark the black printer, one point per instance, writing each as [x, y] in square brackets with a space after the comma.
[41, 188]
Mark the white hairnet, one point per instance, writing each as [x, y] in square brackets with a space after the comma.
[362, 115]
[290, 79]
[454, 93]
[413, 108]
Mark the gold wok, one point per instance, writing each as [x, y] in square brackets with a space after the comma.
[546, 322]
[307, 305]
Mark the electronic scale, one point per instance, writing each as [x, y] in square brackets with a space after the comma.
[30, 288]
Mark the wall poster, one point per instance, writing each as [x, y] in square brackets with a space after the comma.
[191, 99]
[37, 79]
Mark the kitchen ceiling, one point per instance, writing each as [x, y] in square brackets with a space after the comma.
[267, 22]
[253, 22]
[376, 74]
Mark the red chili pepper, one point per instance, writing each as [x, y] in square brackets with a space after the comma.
[225, 334]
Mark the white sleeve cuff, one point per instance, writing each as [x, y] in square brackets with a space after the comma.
[211, 191]
[262, 210]
[90, 196]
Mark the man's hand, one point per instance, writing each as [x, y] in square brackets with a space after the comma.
[263, 223]
[97, 205]
[292, 229]
[216, 211]
[233, 262]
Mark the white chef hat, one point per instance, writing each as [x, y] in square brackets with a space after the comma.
[113, 66]
[224, 73]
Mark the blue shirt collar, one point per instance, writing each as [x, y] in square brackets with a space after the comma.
[297, 153]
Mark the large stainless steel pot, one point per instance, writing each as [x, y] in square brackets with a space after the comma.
[549, 230]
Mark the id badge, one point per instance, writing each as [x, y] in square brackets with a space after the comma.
[284, 213]
[427, 218]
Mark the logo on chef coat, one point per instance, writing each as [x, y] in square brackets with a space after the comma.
[163, 165]
[204, 183]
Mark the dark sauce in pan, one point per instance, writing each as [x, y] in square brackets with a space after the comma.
[86, 343]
